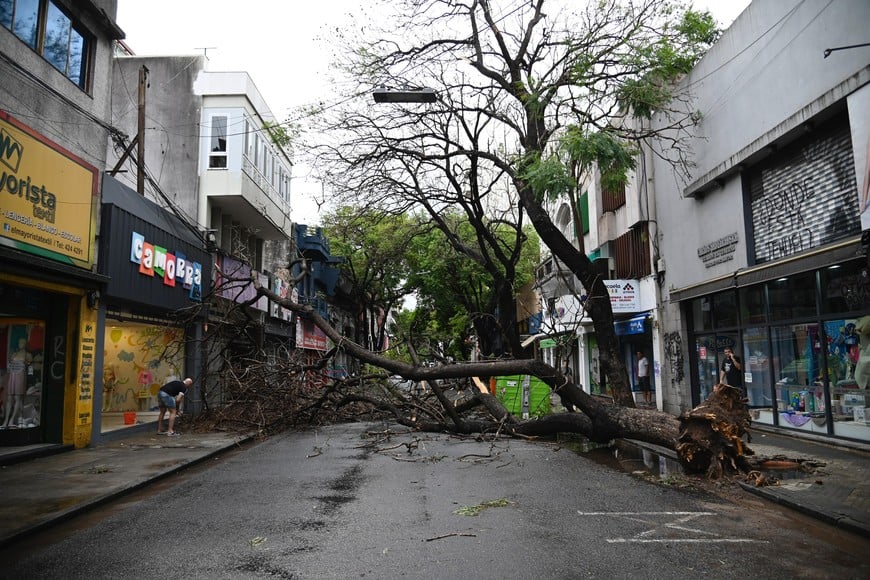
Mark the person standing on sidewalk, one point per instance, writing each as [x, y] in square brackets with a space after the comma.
[171, 398]
[643, 377]
[731, 372]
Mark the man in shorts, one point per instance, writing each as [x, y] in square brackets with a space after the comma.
[171, 397]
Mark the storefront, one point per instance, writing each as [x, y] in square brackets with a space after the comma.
[805, 342]
[800, 317]
[151, 311]
[48, 201]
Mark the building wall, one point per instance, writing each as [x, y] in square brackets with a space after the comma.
[74, 124]
[172, 135]
[764, 84]
[37, 94]
[765, 77]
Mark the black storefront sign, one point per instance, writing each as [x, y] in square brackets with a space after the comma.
[152, 258]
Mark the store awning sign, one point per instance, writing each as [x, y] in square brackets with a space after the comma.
[48, 196]
[170, 267]
[636, 325]
[624, 295]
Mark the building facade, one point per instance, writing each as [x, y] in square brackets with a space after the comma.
[211, 157]
[763, 244]
[55, 62]
[616, 229]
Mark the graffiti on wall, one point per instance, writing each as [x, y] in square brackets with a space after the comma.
[674, 353]
[806, 199]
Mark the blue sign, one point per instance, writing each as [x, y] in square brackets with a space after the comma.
[636, 325]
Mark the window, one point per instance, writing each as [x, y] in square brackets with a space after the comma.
[611, 200]
[845, 288]
[47, 29]
[702, 313]
[725, 309]
[793, 297]
[217, 155]
[249, 140]
[632, 253]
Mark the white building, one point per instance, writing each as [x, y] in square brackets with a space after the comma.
[208, 148]
[763, 243]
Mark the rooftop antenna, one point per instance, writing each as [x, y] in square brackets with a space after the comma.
[205, 50]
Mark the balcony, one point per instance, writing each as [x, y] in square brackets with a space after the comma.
[249, 198]
[312, 243]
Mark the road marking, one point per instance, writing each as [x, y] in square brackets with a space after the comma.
[674, 526]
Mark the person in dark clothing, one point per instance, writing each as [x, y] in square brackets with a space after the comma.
[731, 372]
[171, 398]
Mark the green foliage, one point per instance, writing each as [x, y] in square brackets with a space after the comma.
[452, 290]
[548, 177]
[613, 156]
[662, 62]
[699, 28]
[373, 245]
[280, 134]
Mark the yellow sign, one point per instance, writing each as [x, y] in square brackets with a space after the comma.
[48, 196]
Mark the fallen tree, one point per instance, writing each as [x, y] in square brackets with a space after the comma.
[707, 440]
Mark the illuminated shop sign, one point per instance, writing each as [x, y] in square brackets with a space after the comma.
[171, 267]
[47, 197]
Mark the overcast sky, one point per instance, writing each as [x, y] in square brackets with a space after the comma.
[279, 44]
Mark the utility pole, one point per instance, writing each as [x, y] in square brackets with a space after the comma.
[140, 136]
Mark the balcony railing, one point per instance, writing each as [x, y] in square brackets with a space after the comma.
[311, 240]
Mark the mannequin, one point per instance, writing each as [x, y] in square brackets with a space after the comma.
[862, 366]
[16, 385]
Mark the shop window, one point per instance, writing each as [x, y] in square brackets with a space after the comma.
[797, 360]
[793, 297]
[707, 364]
[848, 344]
[845, 288]
[52, 33]
[725, 309]
[752, 305]
[702, 313]
[139, 359]
[22, 346]
[756, 369]
[217, 156]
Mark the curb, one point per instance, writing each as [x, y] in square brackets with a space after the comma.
[837, 520]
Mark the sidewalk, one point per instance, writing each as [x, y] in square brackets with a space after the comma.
[41, 491]
[838, 494]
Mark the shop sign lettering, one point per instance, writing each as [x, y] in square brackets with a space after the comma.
[42, 191]
[719, 251]
[170, 267]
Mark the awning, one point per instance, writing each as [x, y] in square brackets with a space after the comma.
[807, 261]
[531, 339]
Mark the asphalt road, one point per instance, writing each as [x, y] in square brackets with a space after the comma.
[355, 502]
